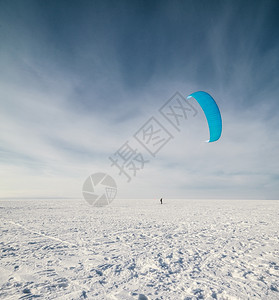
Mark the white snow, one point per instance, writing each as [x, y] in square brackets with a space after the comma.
[139, 249]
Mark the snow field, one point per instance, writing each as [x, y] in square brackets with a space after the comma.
[139, 249]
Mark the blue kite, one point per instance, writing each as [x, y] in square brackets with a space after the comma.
[212, 113]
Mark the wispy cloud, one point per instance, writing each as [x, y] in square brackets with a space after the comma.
[77, 80]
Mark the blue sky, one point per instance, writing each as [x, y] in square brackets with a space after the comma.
[78, 78]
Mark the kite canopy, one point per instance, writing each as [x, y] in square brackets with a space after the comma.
[212, 113]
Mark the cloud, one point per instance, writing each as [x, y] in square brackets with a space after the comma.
[78, 80]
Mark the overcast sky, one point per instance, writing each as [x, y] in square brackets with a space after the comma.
[79, 78]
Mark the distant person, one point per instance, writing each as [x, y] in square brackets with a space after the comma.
[161, 200]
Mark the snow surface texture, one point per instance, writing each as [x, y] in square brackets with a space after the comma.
[139, 249]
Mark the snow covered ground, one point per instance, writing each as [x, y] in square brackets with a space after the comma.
[139, 249]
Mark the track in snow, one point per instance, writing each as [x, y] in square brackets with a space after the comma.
[139, 249]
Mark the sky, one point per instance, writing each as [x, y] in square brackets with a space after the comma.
[79, 78]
